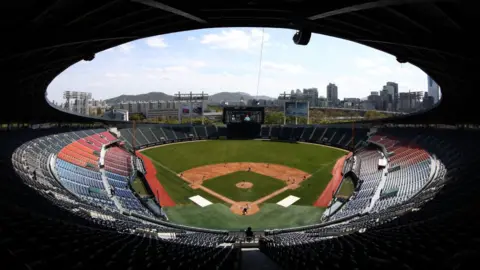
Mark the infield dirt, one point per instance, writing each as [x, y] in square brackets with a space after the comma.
[291, 176]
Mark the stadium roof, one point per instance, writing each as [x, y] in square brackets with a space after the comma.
[43, 38]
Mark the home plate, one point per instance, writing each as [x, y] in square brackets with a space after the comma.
[288, 201]
[202, 202]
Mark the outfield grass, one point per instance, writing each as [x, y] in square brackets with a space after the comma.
[178, 189]
[314, 159]
[310, 189]
[184, 156]
[219, 216]
[262, 185]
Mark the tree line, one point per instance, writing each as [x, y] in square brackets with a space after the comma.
[275, 117]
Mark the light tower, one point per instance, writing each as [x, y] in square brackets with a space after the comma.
[199, 100]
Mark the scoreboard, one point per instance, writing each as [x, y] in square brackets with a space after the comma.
[237, 115]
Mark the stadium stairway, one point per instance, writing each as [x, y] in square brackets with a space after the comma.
[253, 258]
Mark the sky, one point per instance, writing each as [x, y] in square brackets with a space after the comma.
[228, 59]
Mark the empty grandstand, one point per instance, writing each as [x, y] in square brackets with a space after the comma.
[67, 200]
[89, 173]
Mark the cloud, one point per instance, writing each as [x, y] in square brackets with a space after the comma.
[235, 39]
[127, 47]
[167, 72]
[191, 65]
[117, 75]
[175, 69]
[124, 48]
[282, 67]
[156, 42]
[364, 62]
[197, 64]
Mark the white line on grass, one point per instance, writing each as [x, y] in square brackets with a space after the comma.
[163, 166]
[325, 165]
[327, 146]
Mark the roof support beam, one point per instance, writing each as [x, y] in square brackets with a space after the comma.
[48, 6]
[440, 52]
[371, 5]
[119, 39]
[377, 23]
[155, 4]
[373, 33]
[94, 10]
[446, 16]
[120, 18]
[408, 19]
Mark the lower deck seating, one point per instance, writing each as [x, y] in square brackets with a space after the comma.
[435, 228]
[118, 161]
[430, 224]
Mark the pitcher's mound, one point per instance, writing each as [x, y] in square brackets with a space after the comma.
[238, 207]
[244, 185]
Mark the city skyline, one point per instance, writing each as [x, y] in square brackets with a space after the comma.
[216, 60]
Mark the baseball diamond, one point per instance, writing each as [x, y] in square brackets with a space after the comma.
[244, 180]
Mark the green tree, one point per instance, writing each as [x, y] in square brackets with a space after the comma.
[274, 118]
[136, 117]
[171, 120]
[369, 115]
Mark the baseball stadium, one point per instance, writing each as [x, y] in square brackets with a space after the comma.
[82, 192]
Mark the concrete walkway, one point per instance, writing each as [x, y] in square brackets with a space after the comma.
[253, 258]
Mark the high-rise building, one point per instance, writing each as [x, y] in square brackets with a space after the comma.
[77, 102]
[410, 101]
[374, 101]
[394, 85]
[332, 94]
[433, 89]
[386, 98]
[311, 95]
[427, 102]
[322, 102]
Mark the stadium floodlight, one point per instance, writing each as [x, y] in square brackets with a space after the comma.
[302, 37]
[89, 57]
[195, 103]
[401, 60]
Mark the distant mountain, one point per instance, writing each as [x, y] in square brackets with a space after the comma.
[222, 96]
[234, 96]
[141, 97]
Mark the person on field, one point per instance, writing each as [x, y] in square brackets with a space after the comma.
[249, 169]
[244, 211]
